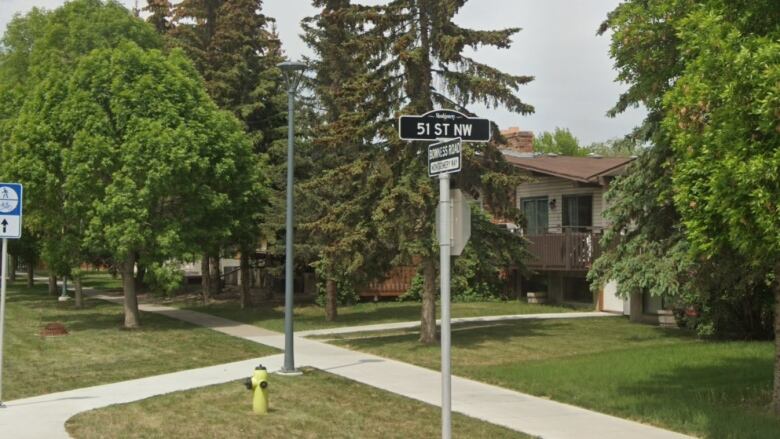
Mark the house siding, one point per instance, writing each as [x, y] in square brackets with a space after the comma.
[554, 187]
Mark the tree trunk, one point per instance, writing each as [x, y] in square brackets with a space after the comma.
[79, 296]
[52, 284]
[216, 281]
[331, 300]
[244, 273]
[267, 284]
[776, 393]
[132, 316]
[205, 278]
[428, 318]
[13, 260]
[139, 277]
[30, 272]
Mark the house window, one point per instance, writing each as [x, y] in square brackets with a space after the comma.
[535, 211]
[578, 212]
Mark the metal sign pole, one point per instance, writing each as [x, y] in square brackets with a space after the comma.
[444, 262]
[292, 74]
[2, 314]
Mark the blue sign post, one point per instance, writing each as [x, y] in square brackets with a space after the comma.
[10, 228]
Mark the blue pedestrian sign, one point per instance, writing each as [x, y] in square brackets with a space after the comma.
[10, 210]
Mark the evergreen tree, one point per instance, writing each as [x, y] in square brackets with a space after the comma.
[159, 15]
[423, 67]
[345, 184]
[236, 49]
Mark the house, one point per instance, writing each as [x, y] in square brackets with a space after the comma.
[563, 204]
[268, 281]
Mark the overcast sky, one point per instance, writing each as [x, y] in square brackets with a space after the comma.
[574, 85]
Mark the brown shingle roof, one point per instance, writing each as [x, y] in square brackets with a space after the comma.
[584, 169]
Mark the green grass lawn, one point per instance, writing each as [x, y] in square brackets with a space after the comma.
[308, 317]
[97, 350]
[315, 405]
[99, 280]
[658, 376]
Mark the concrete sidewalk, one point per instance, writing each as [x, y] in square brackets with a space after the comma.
[44, 416]
[511, 409]
[481, 319]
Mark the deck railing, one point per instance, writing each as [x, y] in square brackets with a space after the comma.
[397, 282]
[564, 249]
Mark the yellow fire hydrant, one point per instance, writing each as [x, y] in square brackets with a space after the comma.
[259, 383]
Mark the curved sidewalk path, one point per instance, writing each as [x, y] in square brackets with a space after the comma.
[44, 416]
[484, 319]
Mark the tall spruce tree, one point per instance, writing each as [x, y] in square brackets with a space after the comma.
[159, 15]
[423, 66]
[349, 167]
[236, 49]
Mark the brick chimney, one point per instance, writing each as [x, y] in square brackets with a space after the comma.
[518, 143]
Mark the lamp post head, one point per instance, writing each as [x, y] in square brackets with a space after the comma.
[293, 71]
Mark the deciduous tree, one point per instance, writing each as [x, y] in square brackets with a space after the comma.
[695, 216]
[36, 48]
[149, 156]
[561, 141]
[723, 116]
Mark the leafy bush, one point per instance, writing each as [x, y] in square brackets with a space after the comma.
[477, 272]
[346, 293]
[732, 304]
[165, 278]
[414, 294]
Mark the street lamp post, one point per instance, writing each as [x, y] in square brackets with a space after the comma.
[293, 72]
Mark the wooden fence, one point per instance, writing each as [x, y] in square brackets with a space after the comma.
[397, 282]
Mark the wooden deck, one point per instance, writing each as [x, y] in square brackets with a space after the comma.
[565, 251]
[397, 282]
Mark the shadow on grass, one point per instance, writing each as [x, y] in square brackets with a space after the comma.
[367, 313]
[95, 314]
[478, 333]
[464, 334]
[356, 363]
[304, 318]
[727, 399]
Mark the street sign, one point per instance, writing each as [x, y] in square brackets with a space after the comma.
[10, 210]
[444, 124]
[10, 227]
[445, 157]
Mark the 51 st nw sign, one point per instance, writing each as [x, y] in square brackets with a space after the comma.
[444, 124]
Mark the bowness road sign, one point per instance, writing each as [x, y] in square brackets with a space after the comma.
[444, 124]
[444, 157]
[10, 210]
